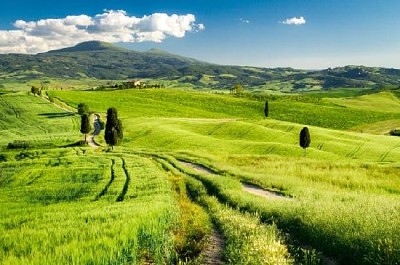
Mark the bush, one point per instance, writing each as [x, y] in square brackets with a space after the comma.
[19, 145]
[395, 132]
[3, 158]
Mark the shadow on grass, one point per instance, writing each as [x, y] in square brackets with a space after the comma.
[57, 115]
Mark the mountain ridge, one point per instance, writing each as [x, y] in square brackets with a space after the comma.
[101, 60]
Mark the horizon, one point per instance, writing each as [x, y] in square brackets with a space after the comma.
[308, 35]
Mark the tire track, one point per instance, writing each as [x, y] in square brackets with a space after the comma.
[387, 152]
[105, 189]
[121, 196]
[216, 128]
[35, 178]
[353, 153]
[213, 253]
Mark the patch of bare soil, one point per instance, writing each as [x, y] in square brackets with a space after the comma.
[263, 193]
[213, 254]
[197, 167]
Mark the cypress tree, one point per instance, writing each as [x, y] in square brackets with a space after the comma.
[266, 109]
[83, 108]
[305, 139]
[113, 131]
[85, 124]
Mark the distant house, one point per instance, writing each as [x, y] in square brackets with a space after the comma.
[134, 84]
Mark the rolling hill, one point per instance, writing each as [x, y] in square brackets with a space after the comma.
[101, 60]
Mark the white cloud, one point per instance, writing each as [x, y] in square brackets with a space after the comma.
[294, 21]
[246, 21]
[110, 26]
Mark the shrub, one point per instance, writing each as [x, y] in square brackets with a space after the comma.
[395, 132]
[19, 145]
[3, 158]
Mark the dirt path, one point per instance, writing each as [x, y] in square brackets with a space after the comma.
[214, 251]
[197, 167]
[263, 193]
[97, 129]
[46, 98]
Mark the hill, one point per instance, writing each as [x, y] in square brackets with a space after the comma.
[101, 60]
[129, 205]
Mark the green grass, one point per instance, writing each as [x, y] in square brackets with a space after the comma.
[170, 103]
[343, 194]
[345, 210]
[49, 215]
[33, 119]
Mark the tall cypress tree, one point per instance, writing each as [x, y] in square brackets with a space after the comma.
[83, 108]
[305, 139]
[113, 132]
[266, 109]
[85, 124]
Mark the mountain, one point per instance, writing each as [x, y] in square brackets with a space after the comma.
[89, 46]
[102, 60]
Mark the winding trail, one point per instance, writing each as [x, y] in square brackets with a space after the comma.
[213, 254]
[197, 167]
[97, 129]
[263, 193]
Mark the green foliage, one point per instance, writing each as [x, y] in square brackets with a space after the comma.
[395, 132]
[305, 138]
[113, 133]
[19, 144]
[266, 109]
[85, 124]
[35, 90]
[83, 108]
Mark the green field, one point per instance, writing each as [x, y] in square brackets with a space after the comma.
[178, 178]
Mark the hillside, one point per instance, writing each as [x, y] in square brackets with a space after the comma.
[104, 61]
[130, 205]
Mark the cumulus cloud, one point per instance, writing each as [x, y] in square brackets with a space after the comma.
[110, 26]
[294, 21]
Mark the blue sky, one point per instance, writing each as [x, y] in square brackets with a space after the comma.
[327, 33]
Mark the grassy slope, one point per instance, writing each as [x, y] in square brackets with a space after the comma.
[231, 134]
[220, 124]
[32, 118]
[56, 210]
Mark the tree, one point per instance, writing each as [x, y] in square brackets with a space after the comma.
[83, 108]
[305, 139]
[238, 89]
[35, 90]
[266, 109]
[113, 133]
[85, 124]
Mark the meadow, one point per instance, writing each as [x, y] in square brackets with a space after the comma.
[188, 154]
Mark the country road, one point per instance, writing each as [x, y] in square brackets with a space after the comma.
[97, 129]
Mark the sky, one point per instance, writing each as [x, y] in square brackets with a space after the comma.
[303, 34]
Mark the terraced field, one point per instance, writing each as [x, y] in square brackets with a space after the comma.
[201, 179]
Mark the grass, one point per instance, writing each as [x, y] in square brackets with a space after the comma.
[343, 194]
[49, 216]
[32, 119]
[247, 241]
